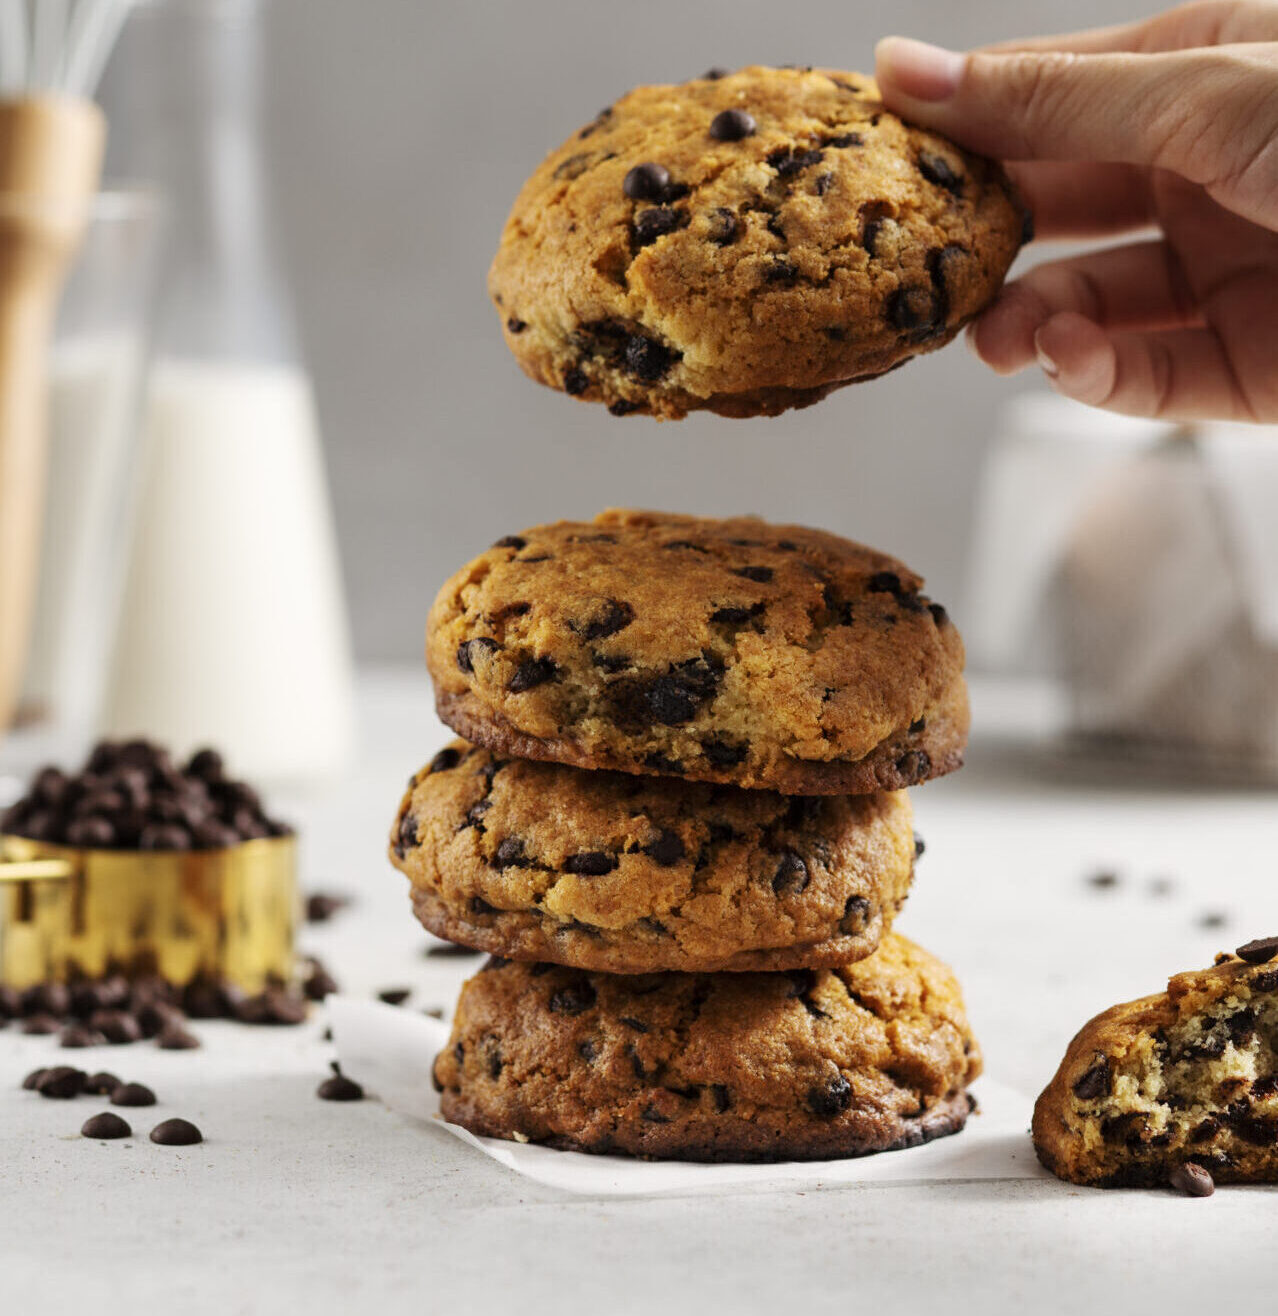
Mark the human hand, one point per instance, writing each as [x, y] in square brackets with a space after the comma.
[1171, 122]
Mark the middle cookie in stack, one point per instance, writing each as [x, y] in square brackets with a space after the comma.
[674, 676]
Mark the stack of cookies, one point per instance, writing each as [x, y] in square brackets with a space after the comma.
[678, 823]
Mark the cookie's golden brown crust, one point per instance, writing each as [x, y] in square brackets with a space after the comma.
[625, 874]
[769, 657]
[747, 274]
[1190, 1075]
[714, 1067]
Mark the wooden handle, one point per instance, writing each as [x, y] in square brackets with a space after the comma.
[50, 158]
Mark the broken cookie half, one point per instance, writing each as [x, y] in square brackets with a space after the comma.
[1188, 1078]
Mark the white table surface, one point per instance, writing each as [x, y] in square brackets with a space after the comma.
[350, 1208]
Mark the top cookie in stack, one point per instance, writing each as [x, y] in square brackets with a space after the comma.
[732, 651]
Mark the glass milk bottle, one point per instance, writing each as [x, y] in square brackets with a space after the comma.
[233, 628]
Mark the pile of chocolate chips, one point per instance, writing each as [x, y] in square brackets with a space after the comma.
[132, 796]
[120, 1011]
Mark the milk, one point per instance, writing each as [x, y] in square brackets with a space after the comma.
[92, 382]
[232, 630]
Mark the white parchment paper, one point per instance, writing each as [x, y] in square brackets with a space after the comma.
[390, 1050]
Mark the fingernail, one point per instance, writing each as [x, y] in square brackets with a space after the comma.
[1049, 367]
[920, 71]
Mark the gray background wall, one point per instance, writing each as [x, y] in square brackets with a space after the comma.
[399, 132]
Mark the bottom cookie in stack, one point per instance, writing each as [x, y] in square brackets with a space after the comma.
[801, 1065]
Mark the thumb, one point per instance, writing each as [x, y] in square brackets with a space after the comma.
[1207, 114]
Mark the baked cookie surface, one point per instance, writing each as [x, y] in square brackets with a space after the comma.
[763, 656]
[747, 243]
[1189, 1076]
[627, 874]
[807, 1065]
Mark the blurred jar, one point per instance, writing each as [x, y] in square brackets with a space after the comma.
[96, 369]
[233, 629]
[1135, 563]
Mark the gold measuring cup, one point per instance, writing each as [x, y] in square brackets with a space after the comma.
[68, 914]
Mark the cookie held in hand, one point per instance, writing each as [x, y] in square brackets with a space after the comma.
[746, 244]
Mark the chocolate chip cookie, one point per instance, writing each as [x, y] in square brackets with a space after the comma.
[806, 1065]
[747, 243]
[1185, 1078]
[629, 874]
[735, 651]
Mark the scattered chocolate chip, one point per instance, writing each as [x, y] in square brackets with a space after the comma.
[1104, 880]
[318, 983]
[622, 407]
[655, 223]
[448, 949]
[90, 833]
[78, 1035]
[512, 541]
[117, 1026]
[176, 1133]
[1260, 951]
[1094, 1083]
[32, 1080]
[724, 230]
[531, 673]
[856, 915]
[914, 765]
[101, 1084]
[573, 999]
[339, 1088]
[842, 140]
[173, 1037]
[939, 615]
[659, 763]
[106, 1126]
[590, 863]
[737, 616]
[469, 650]
[732, 125]
[919, 847]
[780, 270]
[651, 1115]
[912, 308]
[646, 182]
[164, 836]
[321, 907]
[831, 1098]
[40, 1025]
[132, 1094]
[936, 169]
[822, 184]
[1265, 982]
[1212, 919]
[761, 575]
[616, 616]
[789, 160]
[394, 995]
[714, 74]
[575, 382]
[1192, 1180]
[648, 360]
[667, 849]
[724, 753]
[791, 876]
[61, 1082]
[516, 325]
[588, 1051]
[721, 1097]
[510, 854]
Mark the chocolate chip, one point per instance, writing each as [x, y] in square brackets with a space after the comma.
[822, 184]
[106, 1126]
[118, 1027]
[575, 382]
[598, 122]
[856, 915]
[721, 1097]
[590, 863]
[447, 949]
[176, 1133]
[761, 575]
[1094, 1083]
[667, 849]
[339, 1088]
[831, 1098]
[164, 836]
[737, 616]
[646, 182]
[512, 541]
[724, 753]
[32, 1080]
[38, 1025]
[516, 325]
[918, 727]
[843, 140]
[648, 360]
[405, 840]
[622, 407]
[588, 1051]
[1192, 1180]
[206, 764]
[724, 230]
[446, 759]
[573, 167]
[780, 270]
[714, 74]
[573, 999]
[936, 169]
[616, 616]
[510, 854]
[915, 765]
[173, 1037]
[919, 847]
[1260, 951]
[101, 1084]
[61, 1082]
[1103, 880]
[1265, 982]
[939, 615]
[480, 906]
[394, 995]
[651, 1115]
[912, 308]
[655, 223]
[78, 1035]
[469, 650]
[636, 1024]
[659, 763]
[91, 833]
[732, 125]
[531, 673]
[789, 160]
[791, 876]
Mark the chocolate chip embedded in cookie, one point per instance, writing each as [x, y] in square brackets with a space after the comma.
[625, 874]
[747, 244]
[1188, 1078]
[763, 656]
[808, 1065]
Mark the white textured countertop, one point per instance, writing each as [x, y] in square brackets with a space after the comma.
[297, 1204]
